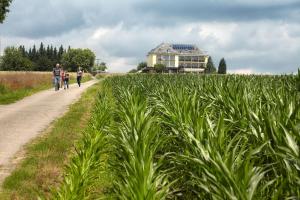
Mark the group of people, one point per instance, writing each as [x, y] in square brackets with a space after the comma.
[61, 77]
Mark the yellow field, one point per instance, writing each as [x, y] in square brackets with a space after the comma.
[24, 80]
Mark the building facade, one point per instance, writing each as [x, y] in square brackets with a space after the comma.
[178, 58]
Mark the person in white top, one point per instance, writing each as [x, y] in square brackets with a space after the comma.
[79, 76]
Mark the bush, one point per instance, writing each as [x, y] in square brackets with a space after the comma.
[159, 68]
[13, 60]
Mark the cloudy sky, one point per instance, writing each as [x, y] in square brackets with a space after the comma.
[254, 36]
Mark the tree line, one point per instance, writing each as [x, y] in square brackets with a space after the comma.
[44, 58]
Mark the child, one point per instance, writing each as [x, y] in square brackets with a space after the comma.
[66, 80]
[62, 77]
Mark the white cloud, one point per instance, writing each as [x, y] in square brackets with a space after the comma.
[118, 63]
[242, 71]
[222, 33]
[106, 31]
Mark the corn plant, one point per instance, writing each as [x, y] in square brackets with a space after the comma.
[136, 141]
[195, 137]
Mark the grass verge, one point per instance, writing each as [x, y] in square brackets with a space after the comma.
[11, 96]
[46, 156]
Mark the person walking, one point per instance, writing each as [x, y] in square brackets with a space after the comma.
[62, 82]
[56, 76]
[66, 80]
[79, 76]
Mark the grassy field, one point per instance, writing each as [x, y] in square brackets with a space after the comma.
[189, 137]
[17, 85]
[45, 158]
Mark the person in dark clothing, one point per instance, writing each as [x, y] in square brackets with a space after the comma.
[79, 76]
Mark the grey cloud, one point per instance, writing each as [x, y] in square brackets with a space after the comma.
[173, 11]
[38, 19]
[267, 37]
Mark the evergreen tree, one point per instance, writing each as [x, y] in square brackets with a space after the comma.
[48, 53]
[55, 55]
[34, 53]
[51, 53]
[43, 64]
[41, 59]
[30, 54]
[222, 67]
[210, 68]
[23, 51]
[60, 52]
[41, 50]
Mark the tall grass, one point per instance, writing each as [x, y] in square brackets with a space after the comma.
[202, 137]
[17, 85]
[24, 80]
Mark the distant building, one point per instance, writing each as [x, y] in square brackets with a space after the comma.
[178, 58]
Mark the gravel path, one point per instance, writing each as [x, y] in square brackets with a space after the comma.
[22, 121]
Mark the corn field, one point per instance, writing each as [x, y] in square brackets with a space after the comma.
[190, 137]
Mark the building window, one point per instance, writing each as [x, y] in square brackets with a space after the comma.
[194, 65]
[195, 59]
[201, 59]
[202, 65]
[187, 58]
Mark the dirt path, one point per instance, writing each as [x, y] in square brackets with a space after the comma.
[22, 121]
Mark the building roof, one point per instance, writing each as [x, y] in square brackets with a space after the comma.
[177, 49]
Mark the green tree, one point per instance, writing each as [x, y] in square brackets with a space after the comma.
[75, 58]
[42, 51]
[222, 67]
[60, 52]
[101, 67]
[159, 67]
[33, 54]
[43, 64]
[23, 50]
[141, 65]
[298, 80]
[55, 55]
[4, 4]
[51, 53]
[210, 68]
[13, 60]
